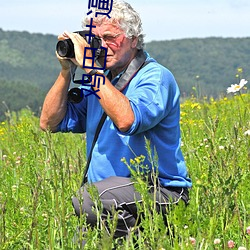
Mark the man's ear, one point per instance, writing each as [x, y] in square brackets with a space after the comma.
[134, 42]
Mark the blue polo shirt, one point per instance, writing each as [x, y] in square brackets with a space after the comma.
[154, 98]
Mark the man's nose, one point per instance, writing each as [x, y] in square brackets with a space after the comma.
[104, 44]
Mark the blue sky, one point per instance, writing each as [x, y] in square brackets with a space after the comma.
[162, 19]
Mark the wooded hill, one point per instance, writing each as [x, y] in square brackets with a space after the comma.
[28, 66]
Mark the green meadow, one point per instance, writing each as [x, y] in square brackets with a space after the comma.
[40, 172]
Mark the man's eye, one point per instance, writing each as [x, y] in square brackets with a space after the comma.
[108, 38]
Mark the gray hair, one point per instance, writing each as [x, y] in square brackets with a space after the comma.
[123, 15]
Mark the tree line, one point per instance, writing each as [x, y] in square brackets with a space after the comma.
[202, 67]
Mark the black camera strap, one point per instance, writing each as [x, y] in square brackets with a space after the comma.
[97, 132]
[136, 64]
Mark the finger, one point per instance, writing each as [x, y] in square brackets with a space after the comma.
[67, 60]
[69, 35]
[62, 58]
[63, 36]
[59, 57]
[75, 37]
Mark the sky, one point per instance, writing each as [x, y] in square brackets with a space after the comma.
[162, 19]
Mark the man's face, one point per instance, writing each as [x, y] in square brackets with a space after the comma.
[120, 49]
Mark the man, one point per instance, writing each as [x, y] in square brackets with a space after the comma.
[141, 100]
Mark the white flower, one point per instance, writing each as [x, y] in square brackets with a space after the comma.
[217, 241]
[192, 240]
[242, 248]
[247, 133]
[237, 87]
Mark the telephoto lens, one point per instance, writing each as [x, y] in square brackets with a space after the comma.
[65, 48]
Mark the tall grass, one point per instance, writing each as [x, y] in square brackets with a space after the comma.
[40, 172]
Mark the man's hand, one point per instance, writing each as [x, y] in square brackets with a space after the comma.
[79, 47]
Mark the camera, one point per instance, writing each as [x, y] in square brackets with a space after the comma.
[65, 48]
[75, 95]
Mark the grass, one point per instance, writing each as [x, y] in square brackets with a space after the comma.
[40, 172]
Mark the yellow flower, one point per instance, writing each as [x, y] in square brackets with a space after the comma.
[132, 162]
[138, 160]
[240, 70]
[195, 105]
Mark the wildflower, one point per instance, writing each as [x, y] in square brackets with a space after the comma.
[198, 182]
[71, 167]
[248, 230]
[240, 70]
[237, 87]
[195, 106]
[14, 188]
[137, 159]
[247, 133]
[242, 248]
[45, 216]
[123, 160]
[230, 244]
[216, 241]
[132, 162]
[221, 147]
[192, 240]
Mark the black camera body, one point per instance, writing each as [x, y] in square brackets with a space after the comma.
[65, 48]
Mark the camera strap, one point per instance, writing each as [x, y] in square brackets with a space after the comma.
[136, 64]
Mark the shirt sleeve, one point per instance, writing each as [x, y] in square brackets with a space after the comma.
[154, 96]
[75, 118]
